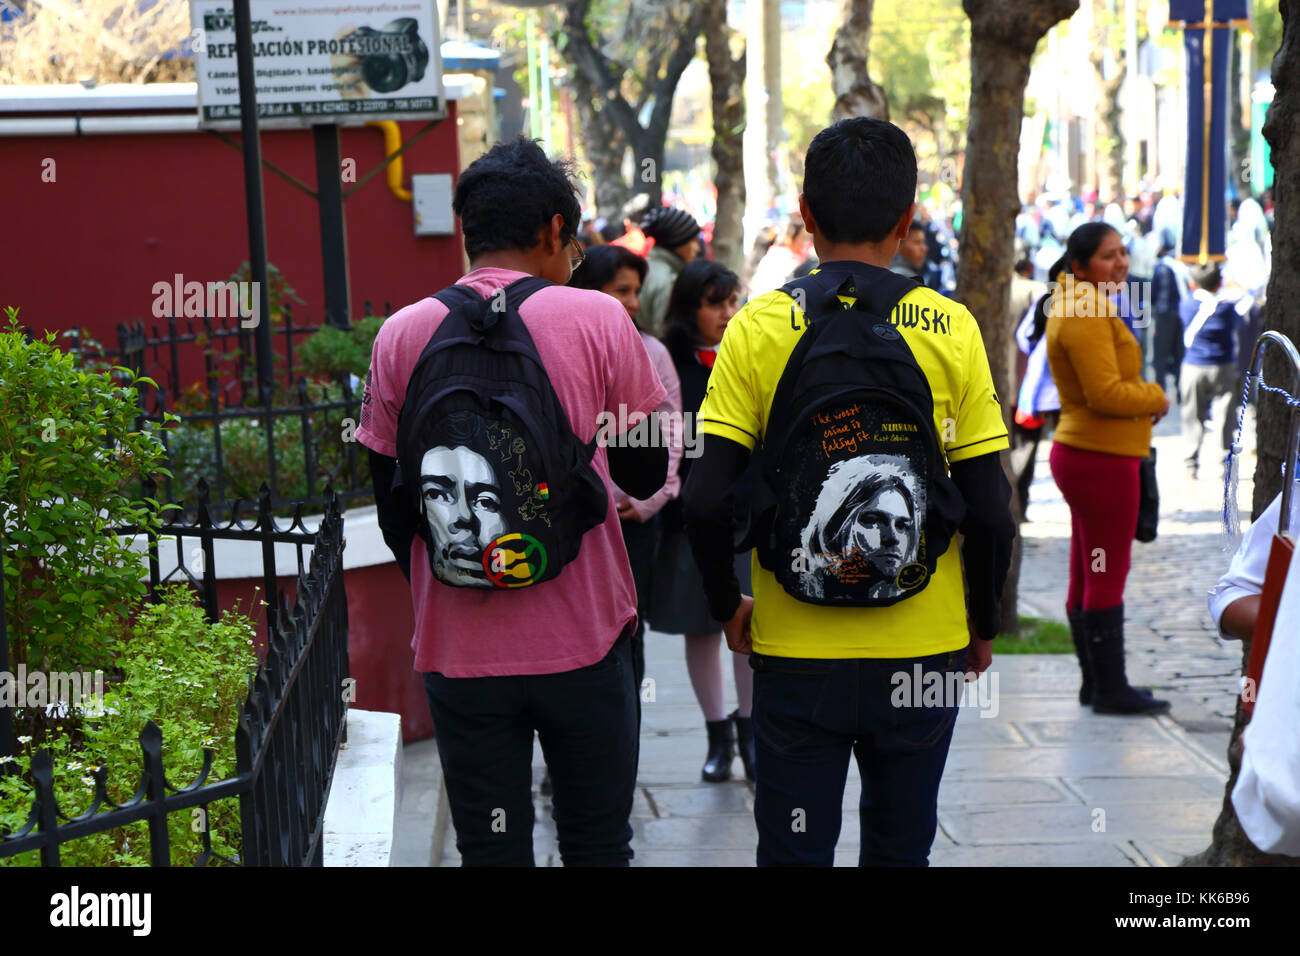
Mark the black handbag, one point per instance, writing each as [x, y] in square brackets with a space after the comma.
[1148, 499]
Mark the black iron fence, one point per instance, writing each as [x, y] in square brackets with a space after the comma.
[299, 441]
[290, 725]
[204, 371]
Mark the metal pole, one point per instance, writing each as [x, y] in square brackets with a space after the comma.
[255, 204]
[333, 230]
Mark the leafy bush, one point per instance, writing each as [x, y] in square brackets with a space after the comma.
[331, 353]
[190, 678]
[71, 463]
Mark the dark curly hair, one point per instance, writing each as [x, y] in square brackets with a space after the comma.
[512, 191]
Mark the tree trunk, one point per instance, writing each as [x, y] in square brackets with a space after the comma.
[1003, 39]
[727, 81]
[1229, 845]
[605, 78]
[856, 94]
[1109, 150]
[604, 144]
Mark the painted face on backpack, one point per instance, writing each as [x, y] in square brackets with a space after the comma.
[883, 529]
[864, 522]
[462, 503]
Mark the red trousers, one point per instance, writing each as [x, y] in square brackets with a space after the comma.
[1102, 492]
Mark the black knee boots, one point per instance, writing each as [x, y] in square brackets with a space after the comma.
[717, 765]
[1081, 651]
[745, 742]
[1111, 692]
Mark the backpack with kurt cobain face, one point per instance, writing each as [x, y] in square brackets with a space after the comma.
[503, 487]
[853, 506]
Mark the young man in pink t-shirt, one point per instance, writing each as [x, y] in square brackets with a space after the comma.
[553, 657]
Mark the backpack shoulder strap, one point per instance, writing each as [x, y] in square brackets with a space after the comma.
[457, 295]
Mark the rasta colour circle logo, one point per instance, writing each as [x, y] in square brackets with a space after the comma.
[514, 560]
[911, 576]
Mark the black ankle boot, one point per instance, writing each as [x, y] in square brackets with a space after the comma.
[1112, 693]
[1081, 651]
[717, 766]
[745, 742]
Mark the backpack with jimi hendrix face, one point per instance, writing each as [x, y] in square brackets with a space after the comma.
[503, 487]
[854, 505]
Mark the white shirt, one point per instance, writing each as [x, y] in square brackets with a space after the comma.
[1245, 574]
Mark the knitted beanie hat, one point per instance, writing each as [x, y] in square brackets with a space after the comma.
[669, 227]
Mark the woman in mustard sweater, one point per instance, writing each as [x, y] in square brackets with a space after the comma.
[1107, 411]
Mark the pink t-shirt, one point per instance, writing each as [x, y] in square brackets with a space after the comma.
[670, 428]
[596, 363]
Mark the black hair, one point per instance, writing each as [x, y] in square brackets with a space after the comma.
[859, 179]
[511, 192]
[1208, 277]
[700, 280]
[612, 230]
[603, 263]
[1080, 247]
[917, 226]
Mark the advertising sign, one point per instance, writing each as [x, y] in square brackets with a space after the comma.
[321, 62]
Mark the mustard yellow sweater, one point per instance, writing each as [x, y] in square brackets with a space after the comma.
[1097, 366]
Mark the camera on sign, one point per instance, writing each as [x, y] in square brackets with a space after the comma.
[389, 71]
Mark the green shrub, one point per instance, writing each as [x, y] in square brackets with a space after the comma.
[330, 353]
[190, 678]
[71, 465]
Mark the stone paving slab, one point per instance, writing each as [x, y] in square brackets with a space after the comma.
[1021, 787]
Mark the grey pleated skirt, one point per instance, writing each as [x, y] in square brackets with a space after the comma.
[678, 604]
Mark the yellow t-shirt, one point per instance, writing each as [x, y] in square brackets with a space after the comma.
[947, 346]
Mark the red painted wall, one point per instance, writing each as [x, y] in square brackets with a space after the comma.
[126, 211]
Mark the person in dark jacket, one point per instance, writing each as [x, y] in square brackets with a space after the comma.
[1210, 318]
[704, 298]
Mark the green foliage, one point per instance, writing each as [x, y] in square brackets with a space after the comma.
[331, 353]
[1037, 636]
[920, 54]
[190, 678]
[71, 463]
[278, 292]
[243, 453]
[1268, 32]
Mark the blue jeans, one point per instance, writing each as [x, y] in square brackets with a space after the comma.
[808, 716]
[587, 721]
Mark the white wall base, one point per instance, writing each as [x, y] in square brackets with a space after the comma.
[361, 810]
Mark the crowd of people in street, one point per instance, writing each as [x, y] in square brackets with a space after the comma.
[800, 505]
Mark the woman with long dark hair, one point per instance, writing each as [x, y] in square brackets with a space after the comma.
[704, 298]
[1104, 432]
[619, 272]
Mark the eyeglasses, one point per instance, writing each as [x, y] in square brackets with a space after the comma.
[576, 260]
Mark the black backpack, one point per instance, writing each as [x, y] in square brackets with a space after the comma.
[853, 506]
[503, 488]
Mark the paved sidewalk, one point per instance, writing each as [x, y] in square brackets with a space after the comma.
[1044, 782]
[1171, 641]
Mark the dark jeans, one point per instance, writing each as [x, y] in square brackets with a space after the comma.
[587, 722]
[809, 715]
[642, 540]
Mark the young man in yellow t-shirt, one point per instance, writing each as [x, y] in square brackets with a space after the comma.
[832, 680]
